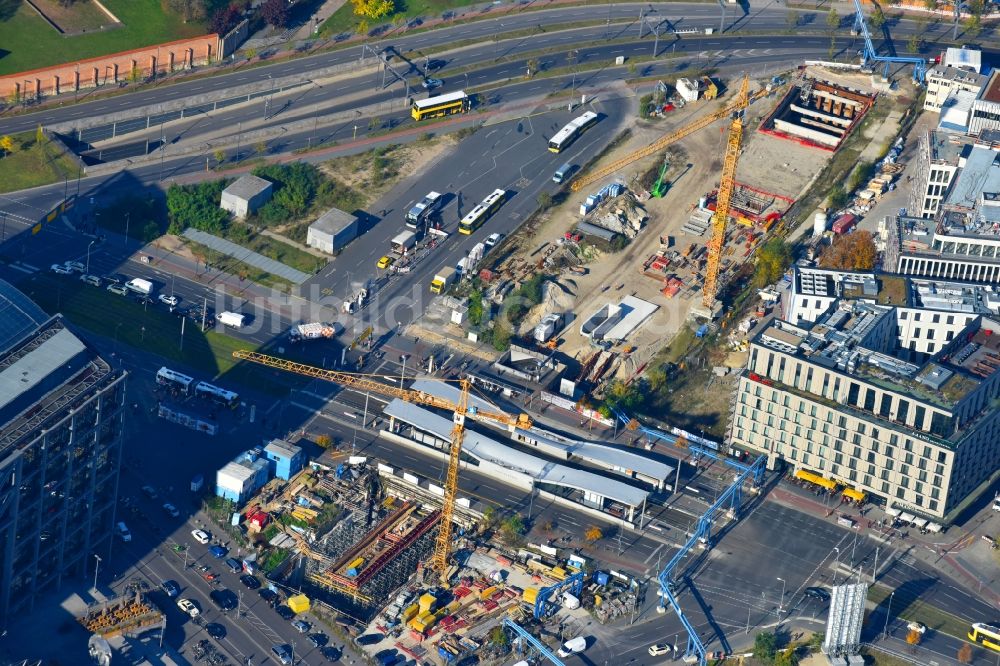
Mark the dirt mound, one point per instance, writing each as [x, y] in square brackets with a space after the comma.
[555, 298]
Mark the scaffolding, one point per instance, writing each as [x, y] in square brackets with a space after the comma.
[365, 566]
[122, 615]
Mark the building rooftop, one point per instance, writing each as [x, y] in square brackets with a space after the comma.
[19, 316]
[961, 58]
[947, 147]
[991, 92]
[981, 173]
[283, 449]
[247, 187]
[956, 111]
[846, 339]
[333, 221]
[541, 470]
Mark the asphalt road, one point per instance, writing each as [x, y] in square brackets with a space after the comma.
[680, 15]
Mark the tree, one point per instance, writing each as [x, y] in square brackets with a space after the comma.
[913, 637]
[476, 307]
[773, 258]
[40, 137]
[150, 232]
[930, 4]
[838, 197]
[220, 156]
[498, 637]
[792, 19]
[965, 654]
[512, 530]
[134, 74]
[544, 200]
[250, 53]
[833, 19]
[188, 9]
[914, 43]
[854, 251]
[324, 441]
[275, 13]
[787, 658]
[876, 19]
[765, 646]
[260, 147]
[6, 144]
[361, 28]
[226, 18]
[373, 9]
[973, 26]
[593, 534]
[490, 518]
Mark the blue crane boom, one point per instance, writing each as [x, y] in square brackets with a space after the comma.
[869, 56]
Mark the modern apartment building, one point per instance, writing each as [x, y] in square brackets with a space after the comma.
[61, 416]
[895, 401]
[945, 81]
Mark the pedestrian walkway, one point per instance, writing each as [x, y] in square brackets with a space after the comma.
[250, 257]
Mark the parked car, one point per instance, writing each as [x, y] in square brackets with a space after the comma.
[188, 606]
[234, 565]
[218, 552]
[225, 599]
[250, 582]
[171, 588]
[59, 269]
[268, 595]
[284, 612]
[171, 510]
[116, 278]
[201, 536]
[75, 266]
[318, 639]
[91, 279]
[123, 532]
[172, 301]
[301, 626]
[149, 491]
[117, 289]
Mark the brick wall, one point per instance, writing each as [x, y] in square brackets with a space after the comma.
[110, 69]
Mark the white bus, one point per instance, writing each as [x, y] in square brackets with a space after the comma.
[573, 129]
[482, 212]
[175, 380]
[216, 394]
[417, 216]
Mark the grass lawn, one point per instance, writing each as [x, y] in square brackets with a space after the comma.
[31, 164]
[151, 329]
[232, 266]
[913, 609]
[30, 43]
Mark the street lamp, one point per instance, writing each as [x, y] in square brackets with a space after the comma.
[128, 215]
[781, 606]
[88, 254]
[836, 565]
[888, 611]
[402, 357]
[97, 567]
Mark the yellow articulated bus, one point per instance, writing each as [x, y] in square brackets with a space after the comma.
[482, 212]
[573, 129]
[442, 105]
[986, 635]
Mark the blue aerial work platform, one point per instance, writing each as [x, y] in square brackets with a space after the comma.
[870, 58]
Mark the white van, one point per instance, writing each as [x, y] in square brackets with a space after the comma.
[140, 286]
[234, 319]
[572, 646]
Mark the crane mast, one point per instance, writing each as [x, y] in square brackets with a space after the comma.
[727, 183]
[461, 409]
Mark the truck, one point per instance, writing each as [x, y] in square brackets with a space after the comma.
[844, 223]
[316, 330]
[442, 280]
[417, 216]
[234, 319]
[403, 243]
[140, 286]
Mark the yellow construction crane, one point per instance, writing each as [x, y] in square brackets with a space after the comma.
[737, 104]
[727, 182]
[367, 383]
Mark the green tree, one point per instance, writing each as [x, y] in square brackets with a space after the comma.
[787, 658]
[150, 232]
[220, 156]
[40, 139]
[973, 26]
[838, 197]
[620, 395]
[773, 259]
[490, 518]
[877, 18]
[914, 43]
[361, 28]
[476, 307]
[765, 646]
[260, 147]
[196, 206]
[832, 19]
[503, 331]
[498, 637]
[544, 200]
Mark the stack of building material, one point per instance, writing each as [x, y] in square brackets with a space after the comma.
[698, 223]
